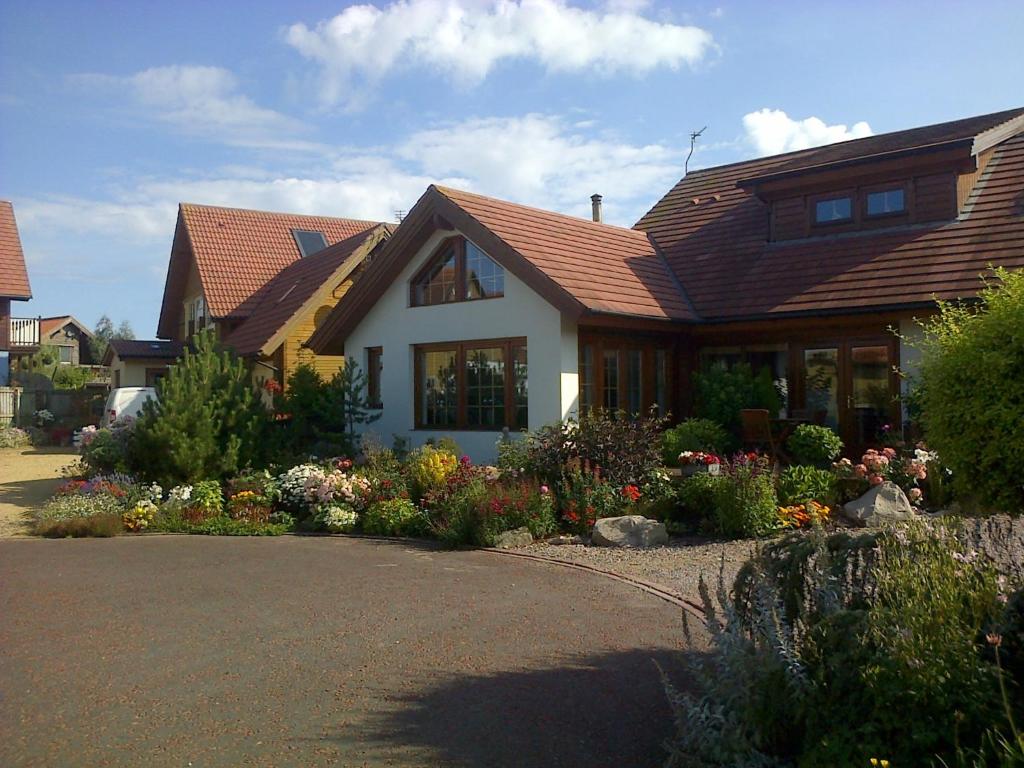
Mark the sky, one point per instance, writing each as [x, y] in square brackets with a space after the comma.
[111, 113]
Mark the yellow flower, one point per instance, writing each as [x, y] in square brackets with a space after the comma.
[874, 761]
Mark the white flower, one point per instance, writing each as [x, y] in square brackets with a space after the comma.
[338, 518]
[180, 493]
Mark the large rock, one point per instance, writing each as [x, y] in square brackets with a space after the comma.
[885, 503]
[629, 531]
[515, 539]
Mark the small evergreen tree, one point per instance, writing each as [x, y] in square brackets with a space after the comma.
[208, 421]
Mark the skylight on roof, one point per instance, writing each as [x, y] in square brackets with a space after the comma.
[309, 242]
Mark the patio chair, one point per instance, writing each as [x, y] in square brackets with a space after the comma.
[757, 431]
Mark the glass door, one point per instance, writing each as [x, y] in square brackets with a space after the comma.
[849, 386]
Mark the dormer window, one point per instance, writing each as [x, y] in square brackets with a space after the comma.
[459, 271]
[833, 210]
[885, 202]
[309, 242]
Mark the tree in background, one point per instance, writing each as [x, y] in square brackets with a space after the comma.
[104, 333]
[208, 421]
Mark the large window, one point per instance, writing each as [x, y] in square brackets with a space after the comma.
[472, 385]
[624, 374]
[459, 271]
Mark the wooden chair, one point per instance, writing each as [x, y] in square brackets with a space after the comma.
[757, 431]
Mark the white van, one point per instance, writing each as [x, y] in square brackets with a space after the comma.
[125, 402]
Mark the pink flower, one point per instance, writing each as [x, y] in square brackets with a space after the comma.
[915, 494]
[876, 479]
[545, 490]
[889, 453]
[860, 470]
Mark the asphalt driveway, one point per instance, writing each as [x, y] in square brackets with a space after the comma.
[195, 651]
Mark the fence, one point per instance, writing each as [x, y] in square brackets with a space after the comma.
[9, 397]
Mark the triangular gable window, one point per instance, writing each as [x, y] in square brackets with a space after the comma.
[458, 271]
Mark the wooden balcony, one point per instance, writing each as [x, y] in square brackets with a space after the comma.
[20, 334]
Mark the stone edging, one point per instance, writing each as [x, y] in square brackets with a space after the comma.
[645, 586]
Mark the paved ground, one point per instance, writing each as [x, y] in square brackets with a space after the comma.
[305, 651]
[28, 477]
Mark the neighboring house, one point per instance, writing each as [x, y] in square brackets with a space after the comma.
[480, 314]
[17, 334]
[71, 338]
[135, 363]
[229, 267]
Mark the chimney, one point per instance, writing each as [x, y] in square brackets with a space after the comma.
[595, 207]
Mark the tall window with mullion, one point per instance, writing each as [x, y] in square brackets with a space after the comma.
[485, 387]
[438, 388]
[439, 283]
[484, 278]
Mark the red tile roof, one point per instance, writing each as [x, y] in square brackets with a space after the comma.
[237, 251]
[13, 275]
[281, 300]
[719, 248]
[605, 268]
[48, 325]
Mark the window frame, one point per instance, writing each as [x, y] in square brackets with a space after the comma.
[458, 243]
[882, 189]
[649, 385]
[460, 348]
[828, 197]
[374, 374]
[298, 241]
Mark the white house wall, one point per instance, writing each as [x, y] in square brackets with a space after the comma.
[396, 327]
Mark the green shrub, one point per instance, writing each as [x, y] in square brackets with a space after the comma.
[585, 497]
[107, 451]
[99, 526]
[722, 393]
[394, 517]
[800, 484]
[814, 445]
[972, 388]
[71, 505]
[208, 422]
[452, 508]
[878, 651]
[745, 503]
[693, 435]
[697, 496]
[516, 503]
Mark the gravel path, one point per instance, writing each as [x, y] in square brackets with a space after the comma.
[28, 477]
[316, 651]
[677, 566]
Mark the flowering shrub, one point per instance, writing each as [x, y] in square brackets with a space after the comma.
[336, 517]
[584, 497]
[909, 471]
[108, 450]
[140, 517]
[516, 503]
[698, 459]
[250, 506]
[430, 467]
[292, 486]
[12, 437]
[804, 515]
[68, 505]
[394, 517]
[335, 486]
[43, 418]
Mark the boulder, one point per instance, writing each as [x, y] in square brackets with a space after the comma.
[629, 531]
[515, 539]
[885, 503]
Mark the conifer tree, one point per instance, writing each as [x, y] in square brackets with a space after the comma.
[207, 422]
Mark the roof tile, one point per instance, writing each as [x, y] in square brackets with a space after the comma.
[13, 275]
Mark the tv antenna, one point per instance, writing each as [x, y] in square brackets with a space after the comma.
[693, 142]
[399, 215]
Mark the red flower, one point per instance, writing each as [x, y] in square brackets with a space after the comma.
[632, 493]
[272, 386]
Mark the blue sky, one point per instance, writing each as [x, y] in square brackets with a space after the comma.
[113, 112]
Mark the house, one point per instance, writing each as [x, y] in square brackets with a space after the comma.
[480, 314]
[70, 337]
[136, 363]
[262, 280]
[17, 334]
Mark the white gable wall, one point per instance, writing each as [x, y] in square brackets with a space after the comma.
[396, 327]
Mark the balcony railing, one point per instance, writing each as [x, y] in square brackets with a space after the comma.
[24, 332]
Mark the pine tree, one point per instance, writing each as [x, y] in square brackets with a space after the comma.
[208, 421]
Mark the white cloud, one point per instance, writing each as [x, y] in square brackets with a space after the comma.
[539, 160]
[204, 101]
[466, 40]
[772, 131]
